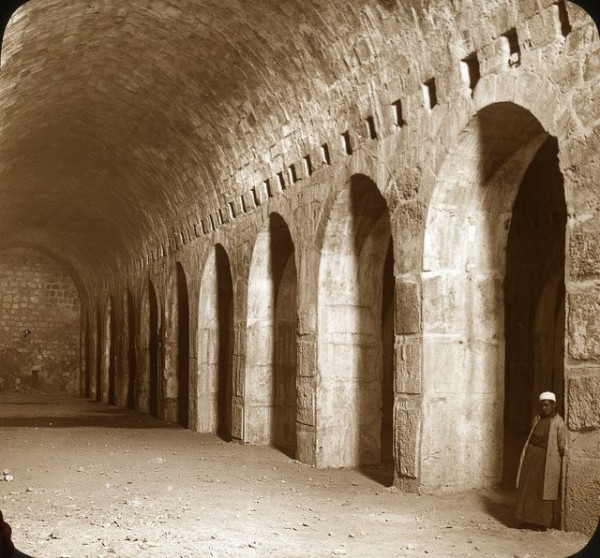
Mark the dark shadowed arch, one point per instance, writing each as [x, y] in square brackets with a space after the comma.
[355, 325]
[270, 394]
[496, 218]
[131, 349]
[215, 347]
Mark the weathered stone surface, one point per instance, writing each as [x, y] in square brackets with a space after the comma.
[584, 325]
[39, 324]
[408, 365]
[170, 408]
[407, 417]
[408, 307]
[307, 358]
[582, 489]
[305, 403]
[584, 402]
[237, 419]
[306, 443]
[585, 254]
[584, 444]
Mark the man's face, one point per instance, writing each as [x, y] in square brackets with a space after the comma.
[547, 407]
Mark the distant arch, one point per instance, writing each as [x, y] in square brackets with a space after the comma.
[484, 252]
[270, 394]
[355, 335]
[215, 346]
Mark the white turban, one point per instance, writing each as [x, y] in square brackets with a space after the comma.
[547, 396]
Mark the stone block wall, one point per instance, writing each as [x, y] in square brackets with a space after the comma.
[448, 165]
[39, 324]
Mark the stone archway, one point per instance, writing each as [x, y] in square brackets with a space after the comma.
[84, 380]
[466, 312]
[130, 349]
[177, 350]
[270, 394]
[151, 384]
[534, 299]
[215, 346]
[355, 298]
[98, 341]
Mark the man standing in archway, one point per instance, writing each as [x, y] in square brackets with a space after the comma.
[539, 473]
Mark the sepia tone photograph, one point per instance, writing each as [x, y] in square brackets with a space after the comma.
[299, 278]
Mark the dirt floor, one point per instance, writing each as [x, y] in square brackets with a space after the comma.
[91, 480]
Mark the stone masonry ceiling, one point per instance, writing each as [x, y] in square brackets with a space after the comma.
[120, 122]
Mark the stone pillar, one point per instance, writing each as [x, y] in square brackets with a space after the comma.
[407, 384]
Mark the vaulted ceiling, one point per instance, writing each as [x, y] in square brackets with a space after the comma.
[118, 119]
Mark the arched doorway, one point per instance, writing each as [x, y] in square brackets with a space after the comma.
[215, 346]
[355, 384]
[98, 343]
[477, 287]
[154, 379]
[84, 383]
[534, 299]
[177, 352]
[130, 346]
[270, 394]
[142, 391]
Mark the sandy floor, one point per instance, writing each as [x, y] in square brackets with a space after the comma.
[94, 481]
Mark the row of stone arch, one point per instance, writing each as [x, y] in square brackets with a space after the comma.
[357, 286]
[489, 334]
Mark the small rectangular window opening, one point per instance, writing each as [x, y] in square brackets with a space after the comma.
[325, 154]
[293, 174]
[308, 168]
[371, 128]
[255, 197]
[177, 237]
[430, 94]
[232, 214]
[204, 227]
[268, 188]
[563, 18]
[470, 71]
[346, 143]
[397, 116]
[281, 180]
[511, 48]
[243, 204]
[220, 216]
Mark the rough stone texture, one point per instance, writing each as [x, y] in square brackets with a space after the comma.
[39, 324]
[584, 402]
[582, 489]
[584, 325]
[408, 307]
[408, 365]
[407, 418]
[585, 248]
